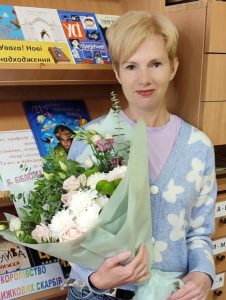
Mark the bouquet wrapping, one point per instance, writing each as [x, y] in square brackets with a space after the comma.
[123, 224]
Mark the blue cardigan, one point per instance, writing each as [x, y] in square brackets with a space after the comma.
[183, 201]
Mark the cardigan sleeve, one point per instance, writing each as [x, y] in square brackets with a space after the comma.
[202, 224]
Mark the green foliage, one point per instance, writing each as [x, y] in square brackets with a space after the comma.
[45, 200]
[121, 146]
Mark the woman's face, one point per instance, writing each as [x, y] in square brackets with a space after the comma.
[145, 76]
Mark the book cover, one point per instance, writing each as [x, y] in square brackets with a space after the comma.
[58, 55]
[9, 24]
[54, 122]
[40, 24]
[84, 37]
[105, 21]
[38, 258]
[13, 257]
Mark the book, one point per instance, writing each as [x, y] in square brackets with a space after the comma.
[13, 257]
[85, 38]
[38, 258]
[58, 55]
[105, 21]
[54, 122]
[40, 24]
[9, 24]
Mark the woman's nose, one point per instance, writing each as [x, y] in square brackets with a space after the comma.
[144, 77]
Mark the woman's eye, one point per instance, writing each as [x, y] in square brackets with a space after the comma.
[156, 64]
[130, 67]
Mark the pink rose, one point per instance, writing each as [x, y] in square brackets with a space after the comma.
[67, 198]
[70, 233]
[41, 233]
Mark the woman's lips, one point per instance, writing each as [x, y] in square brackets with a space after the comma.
[145, 93]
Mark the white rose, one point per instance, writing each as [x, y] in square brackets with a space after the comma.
[67, 198]
[41, 233]
[82, 179]
[71, 233]
[88, 162]
[14, 224]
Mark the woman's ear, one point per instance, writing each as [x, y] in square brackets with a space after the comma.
[117, 75]
[174, 67]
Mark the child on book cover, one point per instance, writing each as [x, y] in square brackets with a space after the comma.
[64, 134]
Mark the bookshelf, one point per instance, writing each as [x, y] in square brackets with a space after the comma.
[43, 74]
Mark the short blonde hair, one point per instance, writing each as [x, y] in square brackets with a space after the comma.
[127, 33]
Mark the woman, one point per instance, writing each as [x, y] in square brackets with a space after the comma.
[181, 168]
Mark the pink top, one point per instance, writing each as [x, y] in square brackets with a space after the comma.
[160, 143]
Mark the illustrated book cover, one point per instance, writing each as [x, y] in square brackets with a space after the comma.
[54, 122]
[40, 24]
[9, 24]
[58, 55]
[84, 37]
[13, 257]
[38, 258]
[105, 21]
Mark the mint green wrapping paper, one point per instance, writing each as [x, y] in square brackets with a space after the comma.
[124, 223]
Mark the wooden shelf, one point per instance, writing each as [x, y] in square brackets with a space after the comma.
[221, 184]
[50, 74]
[5, 200]
[54, 294]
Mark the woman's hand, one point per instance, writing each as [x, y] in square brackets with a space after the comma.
[112, 273]
[196, 287]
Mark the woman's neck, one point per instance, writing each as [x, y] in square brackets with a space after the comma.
[156, 118]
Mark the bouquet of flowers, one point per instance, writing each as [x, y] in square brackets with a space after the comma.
[90, 210]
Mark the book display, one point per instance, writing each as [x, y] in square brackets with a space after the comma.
[105, 21]
[54, 122]
[40, 24]
[84, 37]
[10, 28]
[57, 36]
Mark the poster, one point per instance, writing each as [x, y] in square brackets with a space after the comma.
[28, 281]
[20, 162]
